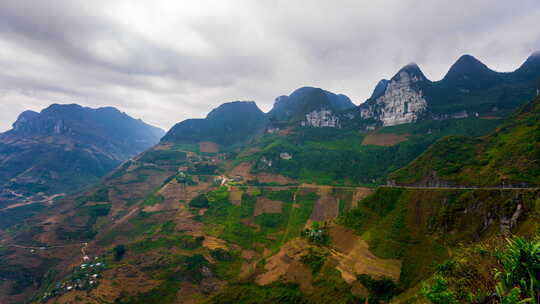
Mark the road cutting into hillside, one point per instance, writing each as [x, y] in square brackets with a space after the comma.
[462, 188]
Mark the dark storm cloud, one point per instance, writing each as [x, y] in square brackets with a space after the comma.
[166, 61]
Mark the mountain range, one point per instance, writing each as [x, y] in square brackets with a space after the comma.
[66, 147]
[409, 197]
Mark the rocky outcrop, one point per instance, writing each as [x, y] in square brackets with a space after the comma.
[321, 118]
[402, 101]
[310, 104]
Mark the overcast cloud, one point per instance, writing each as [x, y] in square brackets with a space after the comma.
[165, 61]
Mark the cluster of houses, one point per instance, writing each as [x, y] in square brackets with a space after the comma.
[316, 234]
[84, 277]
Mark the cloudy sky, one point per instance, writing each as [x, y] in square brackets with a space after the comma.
[165, 61]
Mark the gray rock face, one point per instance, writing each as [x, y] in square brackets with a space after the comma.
[402, 102]
[321, 118]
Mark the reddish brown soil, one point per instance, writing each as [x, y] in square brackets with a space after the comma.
[208, 147]
[274, 178]
[327, 206]
[249, 152]
[387, 139]
[265, 205]
[287, 266]
[211, 242]
[359, 194]
[244, 170]
[353, 257]
[235, 196]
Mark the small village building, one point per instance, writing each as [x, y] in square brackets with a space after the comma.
[285, 156]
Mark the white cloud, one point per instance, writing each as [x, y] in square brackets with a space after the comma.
[165, 61]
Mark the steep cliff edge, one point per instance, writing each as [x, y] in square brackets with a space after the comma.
[403, 100]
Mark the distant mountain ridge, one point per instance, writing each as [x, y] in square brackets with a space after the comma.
[68, 146]
[228, 124]
[469, 89]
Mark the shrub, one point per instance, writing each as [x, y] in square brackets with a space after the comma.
[200, 201]
[521, 270]
[379, 290]
[119, 252]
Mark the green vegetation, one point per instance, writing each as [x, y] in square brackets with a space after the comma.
[317, 234]
[438, 292]
[379, 289]
[119, 251]
[506, 157]
[87, 232]
[200, 201]
[421, 225]
[337, 156]
[315, 259]
[152, 200]
[228, 124]
[221, 254]
[203, 169]
[16, 216]
[250, 293]
[181, 241]
[163, 157]
[23, 276]
[171, 271]
[329, 287]
[183, 178]
[238, 225]
[468, 277]
[519, 279]
[228, 263]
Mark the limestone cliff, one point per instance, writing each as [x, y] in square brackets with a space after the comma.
[321, 118]
[402, 101]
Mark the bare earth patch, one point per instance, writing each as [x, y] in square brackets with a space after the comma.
[359, 194]
[354, 258]
[265, 205]
[132, 282]
[249, 152]
[212, 243]
[244, 170]
[386, 139]
[235, 196]
[287, 266]
[327, 206]
[208, 147]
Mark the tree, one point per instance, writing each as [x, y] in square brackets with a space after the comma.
[119, 252]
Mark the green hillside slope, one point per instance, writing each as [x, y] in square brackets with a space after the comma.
[508, 157]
